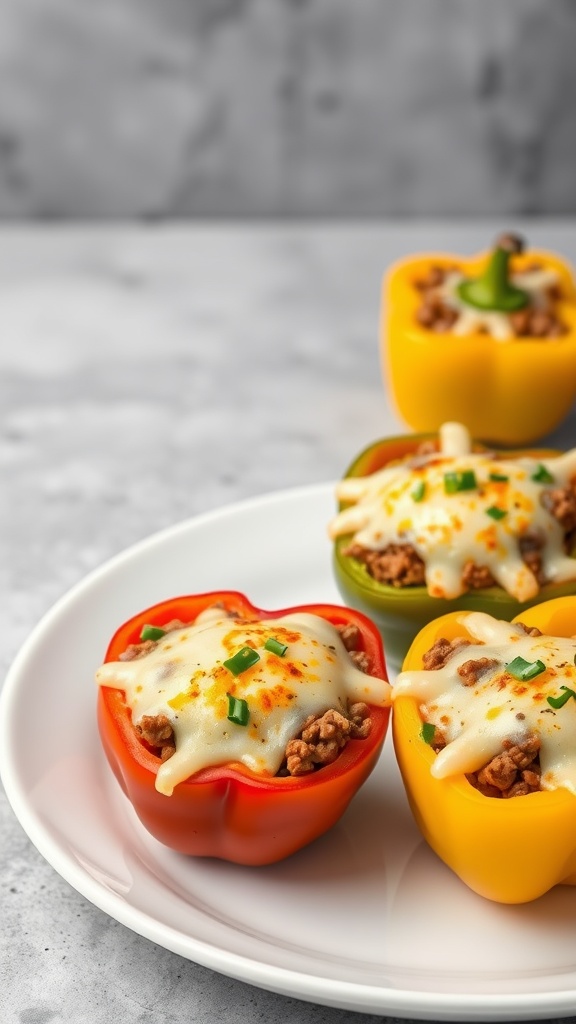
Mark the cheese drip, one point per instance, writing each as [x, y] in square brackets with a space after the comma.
[470, 320]
[184, 677]
[475, 720]
[408, 503]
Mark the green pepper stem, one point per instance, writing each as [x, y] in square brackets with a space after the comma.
[493, 291]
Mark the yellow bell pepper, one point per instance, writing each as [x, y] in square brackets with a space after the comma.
[505, 390]
[511, 850]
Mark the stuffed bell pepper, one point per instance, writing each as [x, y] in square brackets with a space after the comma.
[484, 725]
[489, 341]
[240, 733]
[435, 523]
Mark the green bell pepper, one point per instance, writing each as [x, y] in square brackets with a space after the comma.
[400, 612]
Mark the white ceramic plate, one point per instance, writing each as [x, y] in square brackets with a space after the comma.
[367, 918]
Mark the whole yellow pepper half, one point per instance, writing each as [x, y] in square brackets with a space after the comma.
[510, 390]
[507, 850]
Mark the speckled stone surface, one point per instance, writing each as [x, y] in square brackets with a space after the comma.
[148, 374]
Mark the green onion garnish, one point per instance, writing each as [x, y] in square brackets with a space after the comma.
[275, 647]
[462, 481]
[427, 732]
[243, 659]
[496, 513]
[542, 476]
[498, 478]
[417, 494]
[524, 670]
[152, 633]
[559, 702]
[237, 710]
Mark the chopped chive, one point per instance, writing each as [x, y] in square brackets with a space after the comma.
[152, 633]
[468, 480]
[450, 483]
[465, 480]
[496, 513]
[275, 647]
[524, 670]
[427, 732]
[418, 492]
[542, 476]
[243, 659]
[499, 478]
[237, 710]
[559, 702]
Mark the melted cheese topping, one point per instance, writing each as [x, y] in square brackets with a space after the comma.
[184, 678]
[470, 320]
[450, 529]
[476, 719]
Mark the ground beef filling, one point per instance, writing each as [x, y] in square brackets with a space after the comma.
[321, 738]
[436, 315]
[140, 650]
[400, 565]
[516, 770]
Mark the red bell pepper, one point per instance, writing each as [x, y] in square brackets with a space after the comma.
[228, 811]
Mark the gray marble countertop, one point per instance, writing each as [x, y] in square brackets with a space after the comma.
[112, 341]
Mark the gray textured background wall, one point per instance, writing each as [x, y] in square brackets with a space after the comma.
[157, 108]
